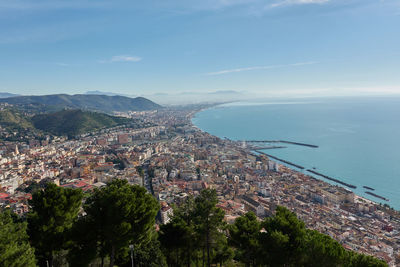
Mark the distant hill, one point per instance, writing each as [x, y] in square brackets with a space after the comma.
[6, 95]
[75, 122]
[102, 103]
[13, 119]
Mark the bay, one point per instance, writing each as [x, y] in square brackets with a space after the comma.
[358, 138]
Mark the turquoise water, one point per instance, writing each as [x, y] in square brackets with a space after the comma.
[358, 139]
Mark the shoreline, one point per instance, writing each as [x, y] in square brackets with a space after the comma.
[191, 124]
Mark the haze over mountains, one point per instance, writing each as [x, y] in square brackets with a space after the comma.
[5, 95]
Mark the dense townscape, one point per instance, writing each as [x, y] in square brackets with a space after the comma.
[173, 159]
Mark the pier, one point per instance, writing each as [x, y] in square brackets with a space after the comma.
[280, 141]
[281, 160]
[332, 179]
[266, 147]
[377, 196]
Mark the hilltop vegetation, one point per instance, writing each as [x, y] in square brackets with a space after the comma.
[65, 122]
[119, 215]
[101, 103]
[14, 119]
[75, 122]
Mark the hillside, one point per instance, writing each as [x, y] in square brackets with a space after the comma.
[13, 119]
[102, 103]
[75, 122]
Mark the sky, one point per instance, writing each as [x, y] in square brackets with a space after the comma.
[157, 47]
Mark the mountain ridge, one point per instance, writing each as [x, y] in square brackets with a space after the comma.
[102, 103]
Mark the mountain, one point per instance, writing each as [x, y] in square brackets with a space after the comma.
[13, 119]
[102, 103]
[6, 95]
[75, 122]
[97, 92]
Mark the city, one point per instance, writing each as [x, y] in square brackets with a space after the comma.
[172, 159]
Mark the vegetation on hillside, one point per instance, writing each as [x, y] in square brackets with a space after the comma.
[75, 122]
[15, 250]
[13, 119]
[117, 222]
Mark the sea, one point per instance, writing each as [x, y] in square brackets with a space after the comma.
[358, 138]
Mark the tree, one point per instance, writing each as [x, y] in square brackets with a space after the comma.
[83, 248]
[223, 252]
[244, 235]
[120, 214]
[15, 250]
[322, 250]
[146, 254]
[209, 222]
[359, 260]
[283, 240]
[174, 238]
[53, 212]
[178, 238]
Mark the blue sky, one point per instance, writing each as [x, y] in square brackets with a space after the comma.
[260, 47]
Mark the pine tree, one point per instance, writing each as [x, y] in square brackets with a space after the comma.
[244, 236]
[120, 214]
[53, 212]
[15, 250]
[209, 222]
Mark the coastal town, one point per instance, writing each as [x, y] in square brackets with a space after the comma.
[173, 159]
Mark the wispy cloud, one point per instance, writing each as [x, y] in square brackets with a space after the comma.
[122, 58]
[260, 68]
[50, 5]
[297, 2]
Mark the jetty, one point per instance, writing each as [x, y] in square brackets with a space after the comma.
[377, 196]
[266, 147]
[332, 179]
[280, 141]
[281, 160]
[369, 188]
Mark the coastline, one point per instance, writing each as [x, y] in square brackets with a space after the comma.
[332, 183]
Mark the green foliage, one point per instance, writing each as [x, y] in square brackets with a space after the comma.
[282, 241]
[146, 254]
[196, 231]
[360, 260]
[209, 221]
[178, 238]
[244, 236]
[15, 250]
[53, 212]
[75, 122]
[322, 250]
[118, 214]
[13, 119]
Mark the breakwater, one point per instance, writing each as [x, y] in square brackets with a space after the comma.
[280, 141]
[266, 147]
[281, 160]
[369, 188]
[377, 196]
[333, 179]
